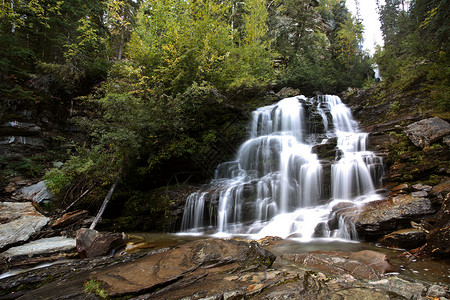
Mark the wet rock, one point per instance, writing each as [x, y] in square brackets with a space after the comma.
[382, 217]
[69, 218]
[424, 132]
[401, 287]
[406, 239]
[321, 230]
[45, 246]
[18, 221]
[269, 240]
[187, 265]
[326, 150]
[343, 205]
[362, 264]
[37, 192]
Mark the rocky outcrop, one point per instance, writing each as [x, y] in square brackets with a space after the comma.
[405, 238]
[381, 217]
[425, 132]
[219, 269]
[364, 264]
[18, 222]
[203, 261]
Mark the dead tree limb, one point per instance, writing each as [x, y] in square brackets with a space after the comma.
[105, 202]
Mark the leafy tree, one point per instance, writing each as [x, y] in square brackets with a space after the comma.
[416, 39]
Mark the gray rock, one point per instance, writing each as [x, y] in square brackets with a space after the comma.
[422, 187]
[404, 288]
[42, 246]
[364, 264]
[419, 194]
[436, 291]
[37, 192]
[424, 132]
[18, 221]
[382, 217]
[446, 140]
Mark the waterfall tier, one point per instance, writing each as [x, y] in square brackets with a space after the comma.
[303, 156]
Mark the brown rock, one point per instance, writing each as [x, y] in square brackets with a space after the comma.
[406, 239]
[69, 218]
[85, 237]
[438, 242]
[364, 264]
[184, 265]
[105, 244]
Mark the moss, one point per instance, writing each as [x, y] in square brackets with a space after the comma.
[94, 287]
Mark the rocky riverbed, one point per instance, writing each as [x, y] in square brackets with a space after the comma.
[233, 269]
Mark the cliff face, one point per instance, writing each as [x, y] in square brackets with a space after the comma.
[414, 138]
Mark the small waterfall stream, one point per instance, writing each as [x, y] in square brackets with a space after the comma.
[303, 157]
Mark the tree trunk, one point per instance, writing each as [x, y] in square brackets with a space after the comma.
[105, 202]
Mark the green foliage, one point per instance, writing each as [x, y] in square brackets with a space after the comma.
[318, 58]
[179, 43]
[415, 55]
[94, 287]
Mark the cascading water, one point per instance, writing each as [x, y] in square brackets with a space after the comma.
[281, 183]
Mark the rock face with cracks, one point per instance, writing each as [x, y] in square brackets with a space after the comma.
[18, 221]
[364, 264]
[184, 265]
[424, 132]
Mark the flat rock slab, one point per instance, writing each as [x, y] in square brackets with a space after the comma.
[424, 132]
[42, 246]
[185, 263]
[364, 264]
[18, 221]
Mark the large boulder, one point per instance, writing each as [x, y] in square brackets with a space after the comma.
[405, 238]
[378, 218]
[425, 132]
[18, 222]
[186, 263]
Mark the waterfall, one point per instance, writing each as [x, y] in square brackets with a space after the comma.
[281, 183]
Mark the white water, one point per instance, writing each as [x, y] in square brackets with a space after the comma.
[277, 186]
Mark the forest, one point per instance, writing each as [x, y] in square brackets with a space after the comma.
[151, 85]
